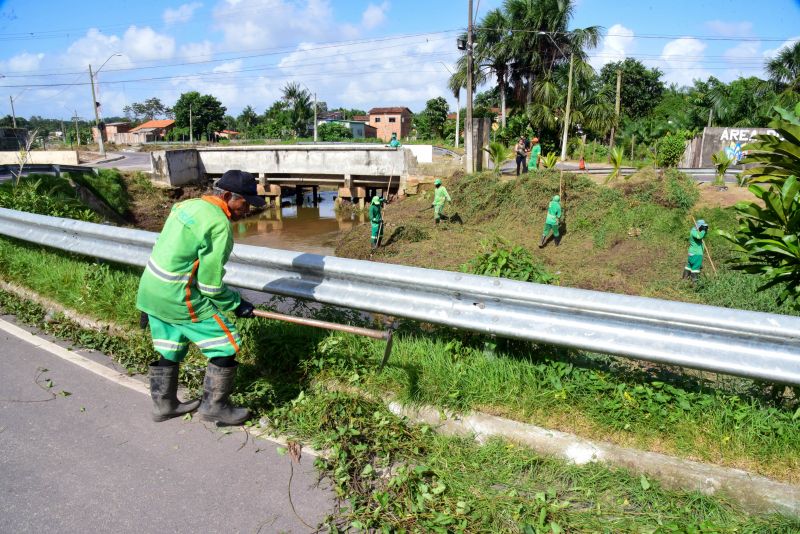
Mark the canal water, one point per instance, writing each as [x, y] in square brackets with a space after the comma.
[304, 229]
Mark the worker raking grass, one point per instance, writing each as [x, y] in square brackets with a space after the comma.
[376, 219]
[183, 296]
[552, 221]
[440, 196]
[694, 263]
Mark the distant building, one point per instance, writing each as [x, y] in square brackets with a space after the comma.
[361, 118]
[122, 134]
[12, 138]
[391, 120]
[227, 134]
[358, 129]
[112, 129]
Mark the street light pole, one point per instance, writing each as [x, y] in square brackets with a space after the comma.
[191, 131]
[96, 115]
[13, 114]
[96, 104]
[315, 117]
[468, 141]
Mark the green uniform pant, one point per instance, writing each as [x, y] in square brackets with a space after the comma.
[694, 263]
[437, 211]
[215, 337]
[377, 232]
[548, 227]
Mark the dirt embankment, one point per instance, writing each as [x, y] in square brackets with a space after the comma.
[150, 205]
[628, 237]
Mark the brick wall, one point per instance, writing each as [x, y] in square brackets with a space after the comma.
[386, 124]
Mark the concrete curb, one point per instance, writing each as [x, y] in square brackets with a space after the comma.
[753, 492]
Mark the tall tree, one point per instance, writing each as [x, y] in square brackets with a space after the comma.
[247, 119]
[433, 117]
[494, 51]
[150, 109]
[300, 106]
[208, 113]
[641, 89]
[784, 69]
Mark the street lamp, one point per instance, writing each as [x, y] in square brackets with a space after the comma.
[569, 95]
[96, 104]
[458, 102]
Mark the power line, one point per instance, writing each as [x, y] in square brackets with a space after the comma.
[648, 36]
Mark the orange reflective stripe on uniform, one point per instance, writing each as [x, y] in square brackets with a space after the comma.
[189, 292]
[227, 332]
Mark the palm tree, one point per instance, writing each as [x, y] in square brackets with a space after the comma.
[301, 109]
[493, 51]
[542, 40]
[784, 69]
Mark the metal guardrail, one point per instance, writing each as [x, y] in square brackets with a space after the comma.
[53, 168]
[749, 344]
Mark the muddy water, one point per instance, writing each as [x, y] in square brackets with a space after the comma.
[304, 229]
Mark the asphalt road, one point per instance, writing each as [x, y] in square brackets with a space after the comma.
[131, 161]
[94, 462]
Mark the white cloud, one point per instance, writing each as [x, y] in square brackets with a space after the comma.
[146, 44]
[136, 44]
[730, 29]
[24, 62]
[183, 13]
[374, 15]
[682, 60]
[232, 66]
[267, 23]
[194, 52]
[769, 54]
[617, 45]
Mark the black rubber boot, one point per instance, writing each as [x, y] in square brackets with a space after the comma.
[557, 240]
[694, 277]
[217, 387]
[685, 274]
[164, 392]
[541, 245]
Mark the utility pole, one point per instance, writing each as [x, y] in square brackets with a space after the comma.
[616, 110]
[315, 121]
[566, 114]
[96, 115]
[191, 132]
[458, 113]
[77, 133]
[710, 114]
[13, 114]
[468, 140]
[64, 133]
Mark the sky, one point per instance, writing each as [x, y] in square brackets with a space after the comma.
[351, 53]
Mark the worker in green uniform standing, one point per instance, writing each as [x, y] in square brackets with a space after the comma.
[183, 296]
[552, 221]
[376, 218]
[536, 154]
[439, 197]
[695, 262]
[394, 143]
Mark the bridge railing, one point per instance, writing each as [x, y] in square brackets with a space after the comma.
[736, 342]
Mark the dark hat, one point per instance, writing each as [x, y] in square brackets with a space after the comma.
[242, 183]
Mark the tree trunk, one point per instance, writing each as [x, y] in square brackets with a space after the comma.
[502, 85]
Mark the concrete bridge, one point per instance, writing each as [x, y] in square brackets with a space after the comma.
[358, 170]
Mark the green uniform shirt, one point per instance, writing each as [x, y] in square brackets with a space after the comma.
[696, 242]
[553, 212]
[536, 151]
[182, 282]
[394, 143]
[375, 215]
[440, 195]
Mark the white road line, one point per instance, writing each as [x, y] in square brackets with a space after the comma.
[117, 377]
[81, 361]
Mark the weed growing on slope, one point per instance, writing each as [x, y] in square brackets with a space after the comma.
[501, 259]
[45, 195]
[107, 185]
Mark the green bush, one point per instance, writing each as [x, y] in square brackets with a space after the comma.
[502, 260]
[680, 190]
[108, 186]
[45, 195]
[670, 150]
[333, 131]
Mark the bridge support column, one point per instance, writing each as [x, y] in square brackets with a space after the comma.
[298, 196]
[315, 193]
